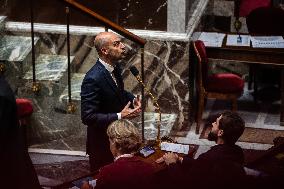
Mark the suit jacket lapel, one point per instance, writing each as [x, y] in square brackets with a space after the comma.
[110, 81]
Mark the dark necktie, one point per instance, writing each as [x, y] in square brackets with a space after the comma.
[117, 76]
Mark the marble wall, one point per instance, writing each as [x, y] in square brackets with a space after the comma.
[166, 75]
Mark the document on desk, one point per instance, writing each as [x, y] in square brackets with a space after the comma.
[238, 40]
[267, 42]
[212, 39]
[173, 147]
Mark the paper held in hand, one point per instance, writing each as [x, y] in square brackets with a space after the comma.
[173, 147]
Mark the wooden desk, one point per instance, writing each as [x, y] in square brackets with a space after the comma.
[273, 57]
[159, 153]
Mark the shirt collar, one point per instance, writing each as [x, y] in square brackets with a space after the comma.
[109, 67]
[123, 155]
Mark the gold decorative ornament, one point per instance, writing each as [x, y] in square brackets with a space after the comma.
[157, 109]
[237, 25]
[71, 108]
[36, 87]
[2, 68]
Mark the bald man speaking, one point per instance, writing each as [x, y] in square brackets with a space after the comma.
[103, 98]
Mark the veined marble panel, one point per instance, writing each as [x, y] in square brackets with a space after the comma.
[199, 10]
[76, 83]
[50, 129]
[2, 18]
[15, 48]
[166, 70]
[2, 23]
[15, 52]
[166, 74]
[201, 18]
[49, 67]
[74, 138]
[151, 124]
[51, 73]
[224, 8]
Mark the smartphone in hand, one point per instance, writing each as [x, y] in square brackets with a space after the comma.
[146, 151]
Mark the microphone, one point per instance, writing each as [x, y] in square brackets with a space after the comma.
[135, 73]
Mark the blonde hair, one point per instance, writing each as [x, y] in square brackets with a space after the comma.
[125, 136]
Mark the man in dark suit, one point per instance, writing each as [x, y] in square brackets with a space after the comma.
[103, 98]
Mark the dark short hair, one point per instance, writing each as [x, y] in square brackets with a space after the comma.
[232, 125]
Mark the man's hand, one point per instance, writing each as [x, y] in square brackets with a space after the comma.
[137, 102]
[169, 158]
[129, 113]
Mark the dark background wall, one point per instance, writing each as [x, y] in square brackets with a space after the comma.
[138, 14]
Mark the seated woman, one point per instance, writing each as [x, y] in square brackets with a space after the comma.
[127, 170]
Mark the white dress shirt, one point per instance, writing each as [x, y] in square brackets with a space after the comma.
[110, 69]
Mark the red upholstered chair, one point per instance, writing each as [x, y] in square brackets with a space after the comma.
[24, 112]
[225, 86]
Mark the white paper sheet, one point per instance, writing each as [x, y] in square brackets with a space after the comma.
[173, 147]
[267, 42]
[212, 39]
[238, 40]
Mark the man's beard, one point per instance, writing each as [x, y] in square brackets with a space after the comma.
[212, 136]
[116, 57]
